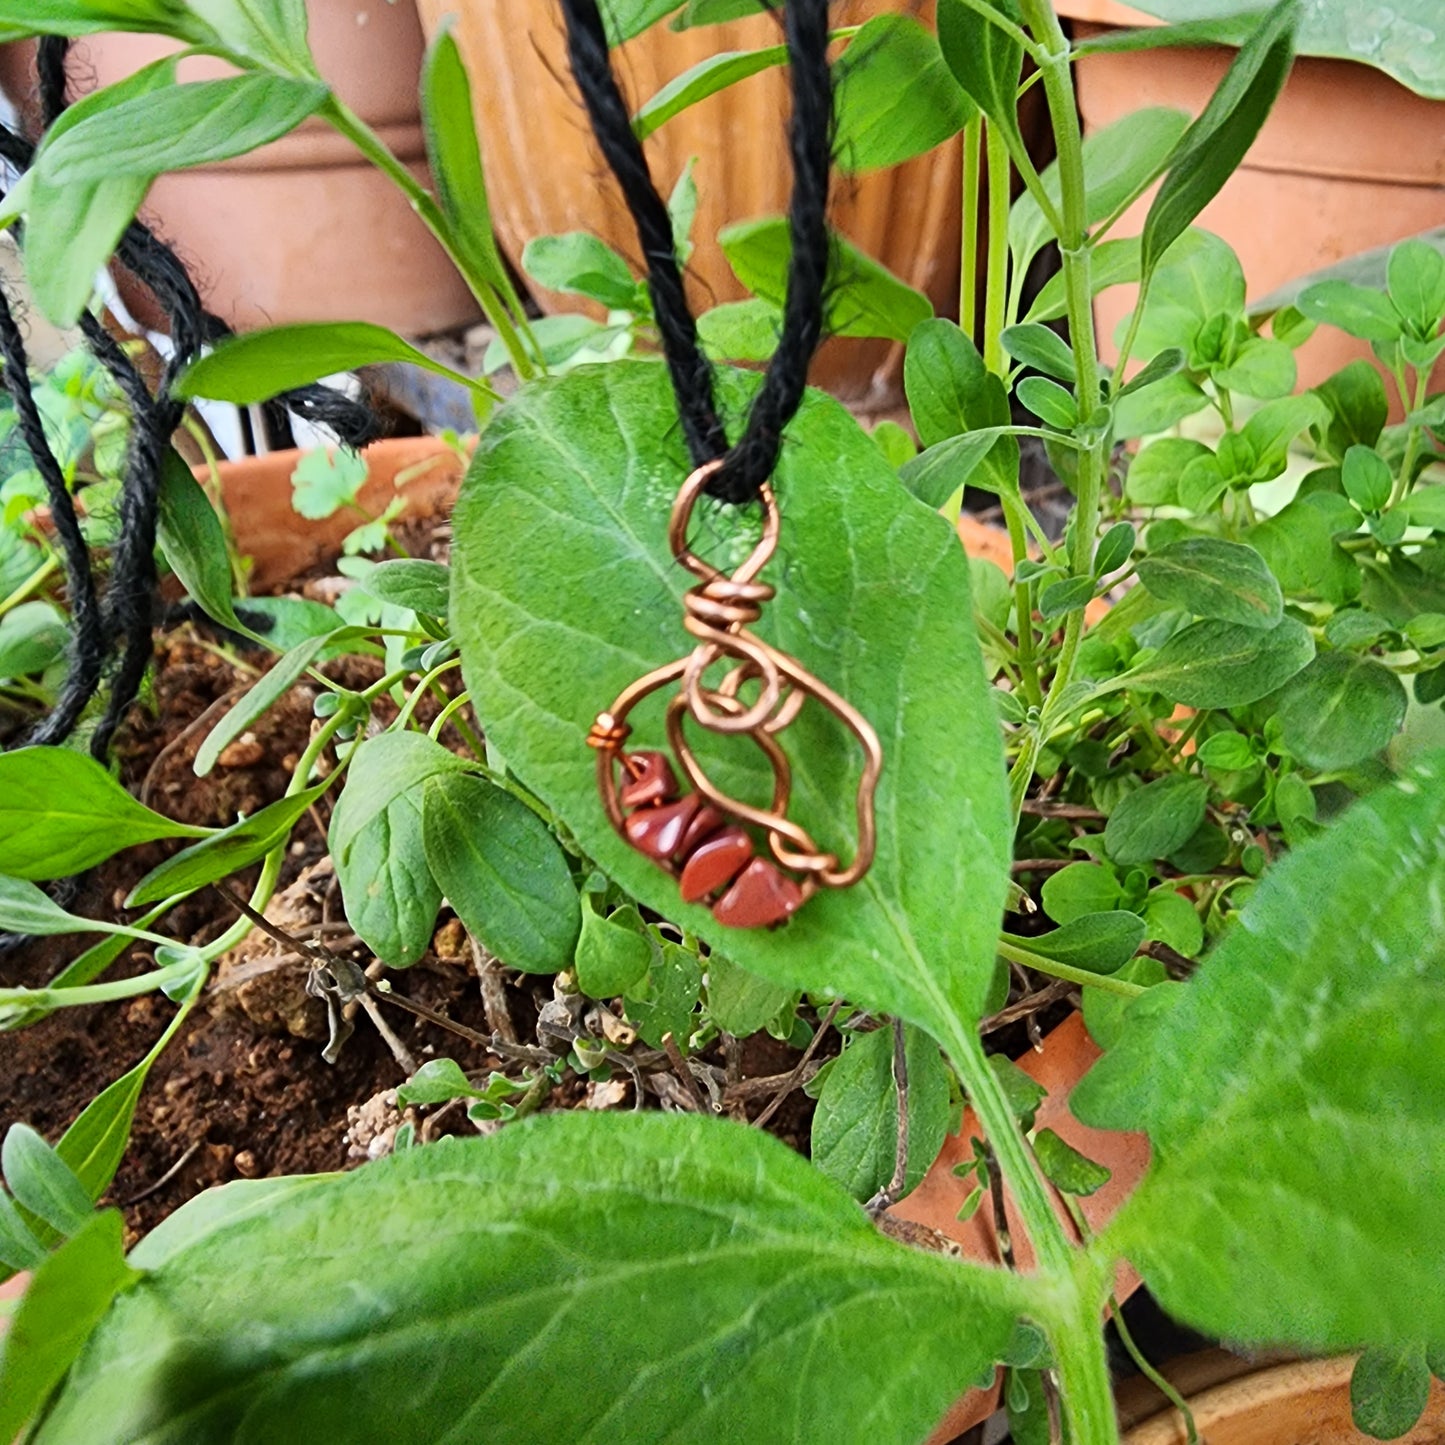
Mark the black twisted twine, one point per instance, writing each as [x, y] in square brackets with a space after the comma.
[749, 463]
[116, 634]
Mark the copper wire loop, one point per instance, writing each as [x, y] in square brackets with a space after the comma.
[717, 613]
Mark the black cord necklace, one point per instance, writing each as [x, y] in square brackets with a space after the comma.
[708, 840]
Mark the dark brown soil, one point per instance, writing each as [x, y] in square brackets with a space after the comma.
[229, 1098]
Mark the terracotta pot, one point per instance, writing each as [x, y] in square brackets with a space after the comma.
[284, 545]
[304, 229]
[1064, 1058]
[546, 176]
[1300, 1400]
[1349, 159]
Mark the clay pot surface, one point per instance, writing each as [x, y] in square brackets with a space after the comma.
[546, 175]
[305, 229]
[1348, 160]
[1305, 1401]
[284, 545]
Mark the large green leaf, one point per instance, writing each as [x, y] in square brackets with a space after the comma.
[894, 98]
[19, 18]
[1213, 578]
[60, 812]
[985, 60]
[657, 1278]
[1405, 39]
[1341, 709]
[1298, 1186]
[1222, 664]
[376, 842]
[710, 75]
[564, 591]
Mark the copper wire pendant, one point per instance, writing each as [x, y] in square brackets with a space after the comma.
[701, 835]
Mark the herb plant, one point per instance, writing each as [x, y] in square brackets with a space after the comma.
[1265, 683]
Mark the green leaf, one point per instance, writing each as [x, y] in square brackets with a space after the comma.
[270, 31]
[1366, 478]
[1221, 664]
[437, 1082]
[1212, 147]
[325, 480]
[1115, 548]
[613, 952]
[193, 541]
[1298, 543]
[1078, 889]
[1425, 508]
[985, 60]
[950, 390]
[1165, 364]
[1042, 348]
[710, 75]
[1050, 402]
[864, 298]
[502, 871]
[411, 582]
[269, 690]
[968, 460]
[1353, 309]
[262, 364]
[1106, 1015]
[226, 852]
[68, 1296]
[1227, 751]
[625, 19]
[652, 1230]
[855, 1126]
[1113, 263]
[1066, 1168]
[195, 124]
[19, 1248]
[1172, 919]
[579, 264]
[1270, 432]
[1416, 278]
[1402, 41]
[1066, 595]
[1261, 368]
[1342, 709]
[61, 812]
[739, 1001]
[71, 230]
[21, 18]
[93, 1146]
[1022, 1092]
[545, 647]
[1153, 476]
[741, 330]
[1211, 578]
[1120, 161]
[1283, 1120]
[376, 842]
[41, 1181]
[1198, 281]
[455, 159]
[1389, 1389]
[1097, 942]
[1355, 396]
[32, 636]
[1152, 821]
[664, 1000]
[894, 96]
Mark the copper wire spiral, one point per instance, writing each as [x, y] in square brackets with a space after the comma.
[718, 612]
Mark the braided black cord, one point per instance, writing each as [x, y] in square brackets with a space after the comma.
[749, 464]
[127, 616]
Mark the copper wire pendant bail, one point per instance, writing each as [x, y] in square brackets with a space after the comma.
[700, 835]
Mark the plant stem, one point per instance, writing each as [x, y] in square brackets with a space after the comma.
[1152, 1375]
[31, 584]
[996, 289]
[968, 261]
[1401, 489]
[1013, 949]
[493, 304]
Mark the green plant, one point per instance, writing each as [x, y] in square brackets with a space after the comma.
[1299, 1166]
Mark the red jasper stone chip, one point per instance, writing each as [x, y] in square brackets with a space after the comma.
[762, 896]
[659, 832]
[652, 783]
[702, 827]
[716, 862]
